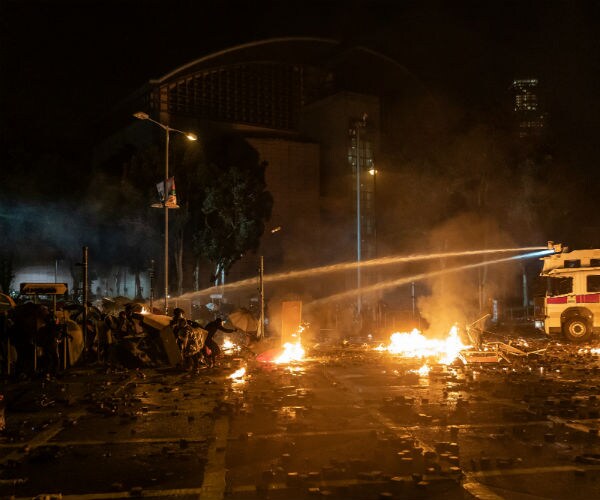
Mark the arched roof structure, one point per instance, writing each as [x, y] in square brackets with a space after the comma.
[319, 52]
[267, 82]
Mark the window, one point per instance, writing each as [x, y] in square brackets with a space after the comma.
[593, 283]
[559, 286]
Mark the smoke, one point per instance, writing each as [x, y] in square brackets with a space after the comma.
[464, 296]
[37, 232]
[40, 233]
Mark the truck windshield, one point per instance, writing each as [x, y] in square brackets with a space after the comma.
[559, 286]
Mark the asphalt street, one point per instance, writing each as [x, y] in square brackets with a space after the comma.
[344, 423]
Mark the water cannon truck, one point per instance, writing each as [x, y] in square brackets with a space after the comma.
[571, 305]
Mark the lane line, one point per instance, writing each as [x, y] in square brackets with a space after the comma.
[214, 483]
[43, 437]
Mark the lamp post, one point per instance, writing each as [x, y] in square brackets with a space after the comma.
[192, 137]
[373, 171]
[261, 289]
[357, 126]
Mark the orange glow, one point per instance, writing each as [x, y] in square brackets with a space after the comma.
[423, 371]
[291, 352]
[416, 345]
[229, 346]
[238, 374]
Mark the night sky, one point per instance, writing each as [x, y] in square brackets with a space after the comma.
[65, 62]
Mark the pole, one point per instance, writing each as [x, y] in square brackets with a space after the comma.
[261, 273]
[152, 286]
[166, 197]
[358, 235]
[85, 297]
[525, 294]
[375, 211]
[55, 281]
[414, 299]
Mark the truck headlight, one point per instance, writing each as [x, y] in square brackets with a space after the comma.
[539, 324]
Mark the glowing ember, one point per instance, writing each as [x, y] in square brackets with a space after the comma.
[593, 350]
[416, 345]
[228, 345]
[238, 374]
[423, 371]
[291, 352]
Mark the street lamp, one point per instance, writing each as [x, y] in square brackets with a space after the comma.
[357, 127]
[261, 288]
[191, 137]
[374, 172]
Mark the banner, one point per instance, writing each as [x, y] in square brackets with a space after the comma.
[171, 193]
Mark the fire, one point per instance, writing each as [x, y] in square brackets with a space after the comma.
[144, 310]
[592, 350]
[238, 374]
[228, 345]
[423, 371]
[291, 352]
[416, 345]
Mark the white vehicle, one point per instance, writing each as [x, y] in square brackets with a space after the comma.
[572, 301]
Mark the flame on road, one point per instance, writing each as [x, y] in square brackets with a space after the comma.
[416, 345]
[291, 352]
[423, 371]
[238, 374]
[228, 345]
[591, 350]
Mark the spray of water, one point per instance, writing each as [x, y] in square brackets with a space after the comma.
[346, 266]
[418, 277]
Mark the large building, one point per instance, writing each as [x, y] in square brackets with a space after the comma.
[319, 112]
[527, 108]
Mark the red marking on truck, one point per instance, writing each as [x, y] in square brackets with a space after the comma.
[590, 298]
[556, 300]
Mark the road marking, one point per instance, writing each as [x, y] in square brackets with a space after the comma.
[280, 435]
[213, 486]
[533, 470]
[109, 495]
[64, 444]
[480, 491]
[43, 437]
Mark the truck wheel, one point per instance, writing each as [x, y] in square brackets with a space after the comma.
[577, 329]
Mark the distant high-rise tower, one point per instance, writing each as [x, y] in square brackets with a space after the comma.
[529, 115]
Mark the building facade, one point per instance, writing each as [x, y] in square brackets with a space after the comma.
[312, 110]
[527, 108]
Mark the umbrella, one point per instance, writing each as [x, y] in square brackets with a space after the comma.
[243, 320]
[6, 302]
[112, 305]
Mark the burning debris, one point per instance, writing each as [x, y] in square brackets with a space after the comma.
[238, 375]
[291, 352]
[416, 345]
[229, 347]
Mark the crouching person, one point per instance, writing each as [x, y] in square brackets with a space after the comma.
[191, 345]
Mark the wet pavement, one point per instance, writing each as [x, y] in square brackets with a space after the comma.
[345, 423]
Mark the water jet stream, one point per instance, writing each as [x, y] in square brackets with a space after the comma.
[418, 277]
[382, 261]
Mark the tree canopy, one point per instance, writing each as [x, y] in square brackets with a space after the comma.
[236, 204]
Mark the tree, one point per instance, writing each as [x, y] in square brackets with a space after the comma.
[236, 204]
[6, 271]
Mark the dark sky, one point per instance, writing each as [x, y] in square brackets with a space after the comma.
[65, 62]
